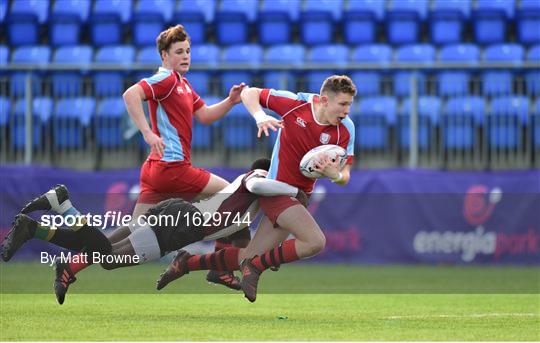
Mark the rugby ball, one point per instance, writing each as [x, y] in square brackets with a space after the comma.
[307, 165]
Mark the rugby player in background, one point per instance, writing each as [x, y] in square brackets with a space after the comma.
[173, 103]
[307, 121]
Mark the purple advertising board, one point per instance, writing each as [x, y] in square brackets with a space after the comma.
[381, 216]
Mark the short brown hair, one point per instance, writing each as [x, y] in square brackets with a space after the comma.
[339, 84]
[171, 35]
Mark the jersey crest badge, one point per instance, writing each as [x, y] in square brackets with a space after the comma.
[325, 138]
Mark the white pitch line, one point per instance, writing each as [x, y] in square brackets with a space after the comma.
[472, 315]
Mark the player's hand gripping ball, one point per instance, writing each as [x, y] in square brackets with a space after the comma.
[307, 165]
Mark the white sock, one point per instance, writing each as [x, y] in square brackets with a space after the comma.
[145, 244]
[65, 208]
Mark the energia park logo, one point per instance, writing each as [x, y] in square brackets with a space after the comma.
[478, 207]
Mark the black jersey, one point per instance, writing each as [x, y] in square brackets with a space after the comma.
[231, 209]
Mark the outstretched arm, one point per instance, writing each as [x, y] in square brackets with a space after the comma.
[250, 98]
[268, 187]
[208, 114]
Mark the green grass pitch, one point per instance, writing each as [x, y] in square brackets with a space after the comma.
[302, 302]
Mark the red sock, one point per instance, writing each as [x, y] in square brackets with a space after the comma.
[283, 253]
[223, 260]
[79, 262]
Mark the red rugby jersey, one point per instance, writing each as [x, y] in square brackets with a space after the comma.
[300, 133]
[171, 101]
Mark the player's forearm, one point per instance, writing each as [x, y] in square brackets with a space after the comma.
[209, 114]
[133, 98]
[269, 187]
[250, 99]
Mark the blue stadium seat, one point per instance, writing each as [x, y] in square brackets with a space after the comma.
[195, 15]
[203, 135]
[149, 19]
[201, 81]
[369, 82]
[248, 54]
[275, 21]
[456, 82]
[506, 121]
[238, 129]
[25, 20]
[36, 54]
[4, 54]
[403, 20]
[448, 19]
[536, 126]
[72, 117]
[332, 55]
[317, 21]
[150, 56]
[461, 118]
[41, 113]
[416, 53]
[43, 108]
[273, 135]
[69, 83]
[360, 21]
[4, 57]
[429, 109]
[490, 20]
[5, 110]
[208, 55]
[233, 19]
[290, 54]
[5, 113]
[164, 7]
[110, 83]
[108, 122]
[373, 118]
[194, 24]
[18, 127]
[528, 22]
[499, 82]
[3, 12]
[106, 22]
[67, 18]
[532, 77]
[207, 8]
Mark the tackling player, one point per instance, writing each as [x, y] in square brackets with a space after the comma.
[307, 121]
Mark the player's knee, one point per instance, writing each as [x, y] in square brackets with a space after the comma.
[320, 243]
[316, 244]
